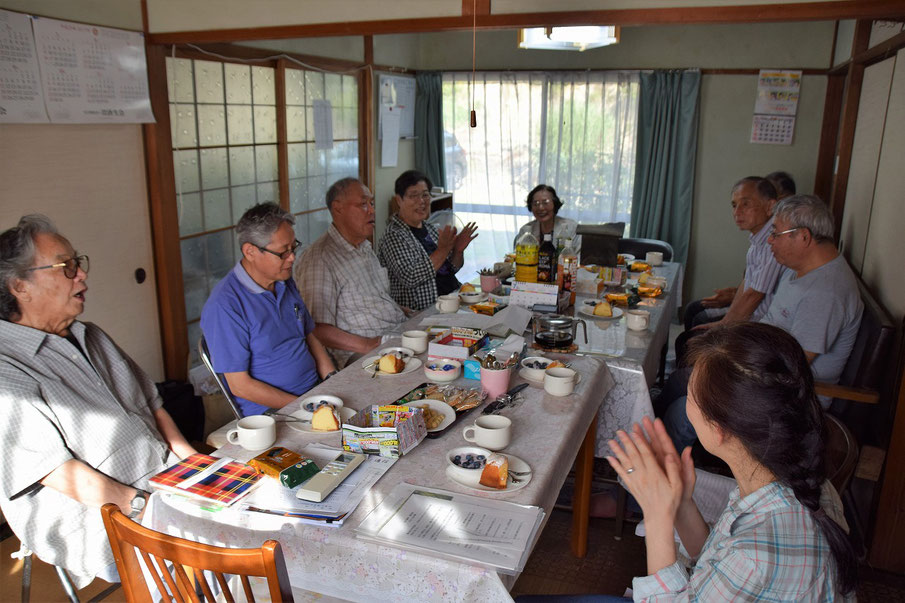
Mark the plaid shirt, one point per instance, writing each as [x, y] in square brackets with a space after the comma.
[346, 286]
[764, 547]
[56, 405]
[413, 280]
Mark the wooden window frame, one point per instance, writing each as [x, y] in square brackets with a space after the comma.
[161, 173]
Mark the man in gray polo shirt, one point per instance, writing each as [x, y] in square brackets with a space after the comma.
[81, 424]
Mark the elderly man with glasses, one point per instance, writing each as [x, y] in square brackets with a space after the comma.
[817, 301]
[81, 424]
[258, 330]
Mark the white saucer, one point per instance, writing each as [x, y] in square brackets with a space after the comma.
[588, 310]
[515, 464]
[411, 364]
[449, 414]
[481, 298]
[304, 422]
[540, 382]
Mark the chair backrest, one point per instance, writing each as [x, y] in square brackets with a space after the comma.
[174, 584]
[640, 247]
[841, 453]
[220, 379]
[600, 242]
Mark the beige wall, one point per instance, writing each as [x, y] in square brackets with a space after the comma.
[124, 14]
[877, 246]
[90, 180]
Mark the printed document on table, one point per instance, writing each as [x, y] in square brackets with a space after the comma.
[475, 530]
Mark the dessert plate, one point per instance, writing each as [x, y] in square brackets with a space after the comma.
[406, 352]
[588, 310]
[303, 415]
[449, 415]
[369, 364]
[516, 465]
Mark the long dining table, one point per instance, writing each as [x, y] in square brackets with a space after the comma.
[549, 433]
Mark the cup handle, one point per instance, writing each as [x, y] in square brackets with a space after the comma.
[437, 305]
[465, 433]
[232, 436]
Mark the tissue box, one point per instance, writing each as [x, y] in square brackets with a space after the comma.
[591, 287]
[457, 343]
[373, 431]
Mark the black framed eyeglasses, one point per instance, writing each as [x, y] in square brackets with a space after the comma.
[285, 254]
[425, 196]
[70, 267]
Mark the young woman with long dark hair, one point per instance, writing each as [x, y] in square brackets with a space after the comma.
[751, 400]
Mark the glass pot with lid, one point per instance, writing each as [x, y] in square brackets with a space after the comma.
[557, 331]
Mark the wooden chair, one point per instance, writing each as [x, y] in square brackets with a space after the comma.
[126, 536]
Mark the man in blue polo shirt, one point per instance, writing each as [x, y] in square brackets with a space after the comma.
[258, 330]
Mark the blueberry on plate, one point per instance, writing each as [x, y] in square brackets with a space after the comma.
[309, 407]
[448, 367]
[481, 457]
[457, 459]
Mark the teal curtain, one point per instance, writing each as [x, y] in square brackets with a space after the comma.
[429, 126]
[664, 165]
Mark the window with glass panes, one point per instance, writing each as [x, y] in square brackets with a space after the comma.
[223, 118]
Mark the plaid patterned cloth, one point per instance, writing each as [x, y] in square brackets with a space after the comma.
[764, 547]
[225, 485]
[413, 280]
[346, 286]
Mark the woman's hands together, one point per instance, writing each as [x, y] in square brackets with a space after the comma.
[652, 470]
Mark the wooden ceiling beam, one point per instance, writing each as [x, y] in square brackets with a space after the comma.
[758, 13]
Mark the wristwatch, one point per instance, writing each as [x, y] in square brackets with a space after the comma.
[138, 503]
[330, 374]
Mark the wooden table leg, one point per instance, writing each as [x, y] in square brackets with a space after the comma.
[581, 498]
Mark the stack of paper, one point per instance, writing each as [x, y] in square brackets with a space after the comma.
[469, 529]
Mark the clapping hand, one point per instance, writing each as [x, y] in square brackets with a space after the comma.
[652, 472]
[464, 238]
[661, 445]
[446, 239]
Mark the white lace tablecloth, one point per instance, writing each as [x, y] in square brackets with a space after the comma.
[632, 356]
[547, 433]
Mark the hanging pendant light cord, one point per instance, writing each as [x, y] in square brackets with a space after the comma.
[474, 35]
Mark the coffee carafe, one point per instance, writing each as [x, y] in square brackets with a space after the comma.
[557, 331]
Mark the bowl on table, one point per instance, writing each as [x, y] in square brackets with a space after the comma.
[534, 367]
[471, 297]
[467, 462]
[442, 370]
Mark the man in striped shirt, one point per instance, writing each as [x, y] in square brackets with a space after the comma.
[753, 199]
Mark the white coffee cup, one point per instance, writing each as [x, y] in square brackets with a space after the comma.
[490, 431]
[447, 304]
[657, 281]
[254, 433]
[416, 341]
[654, 258]
[637, 320]
[560, 381]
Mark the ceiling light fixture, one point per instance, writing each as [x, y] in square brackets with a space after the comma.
[568, 38]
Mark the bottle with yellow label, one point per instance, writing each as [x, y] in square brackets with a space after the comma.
[526, 248]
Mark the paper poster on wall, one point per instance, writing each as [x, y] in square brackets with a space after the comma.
[323, 125]
[777, 92]
[772, 129]
[92, 74]
[21, 98]
[397, 92]
[389, 137]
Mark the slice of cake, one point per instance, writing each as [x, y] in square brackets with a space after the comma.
[323, 419]
[391, 363]
[603, 309]
[496, 472]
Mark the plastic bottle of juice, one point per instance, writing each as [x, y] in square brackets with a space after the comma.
[526, 248]
[568, 268]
